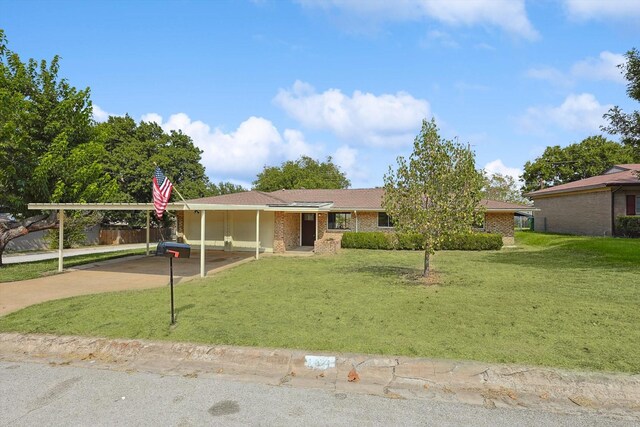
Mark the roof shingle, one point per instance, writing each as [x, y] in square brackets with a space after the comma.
[625, 177]
[347, 199]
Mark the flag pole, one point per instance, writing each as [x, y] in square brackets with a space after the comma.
[174, 187]
[185, 202]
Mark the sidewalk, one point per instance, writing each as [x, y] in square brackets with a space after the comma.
[488, 384]
[9, 258]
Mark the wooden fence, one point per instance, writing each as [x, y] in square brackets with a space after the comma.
[123, 236]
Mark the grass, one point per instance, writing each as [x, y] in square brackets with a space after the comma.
[33, 270]
[560, 301]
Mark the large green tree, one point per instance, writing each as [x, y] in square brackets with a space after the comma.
[133, 151]
[559, 165]
[627, 125]
[436, 192]
[502, 187]
[302, 173]
[47, 150]
[223, 187]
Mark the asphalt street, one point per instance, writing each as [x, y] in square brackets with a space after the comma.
[41, 394]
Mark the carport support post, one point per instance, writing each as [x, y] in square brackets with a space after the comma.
[257, 234]
[202, 248]
[60, 240]
[148, 233]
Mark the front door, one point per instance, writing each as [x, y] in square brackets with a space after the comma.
[308, 229]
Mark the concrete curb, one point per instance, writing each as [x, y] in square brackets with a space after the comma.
[490, 385]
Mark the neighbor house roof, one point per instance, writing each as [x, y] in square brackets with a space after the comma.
[339, 199]
[619, 175]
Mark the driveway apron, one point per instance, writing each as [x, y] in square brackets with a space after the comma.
[138, 272]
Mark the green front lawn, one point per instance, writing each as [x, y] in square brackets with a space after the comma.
[33, 270]
[556, 300]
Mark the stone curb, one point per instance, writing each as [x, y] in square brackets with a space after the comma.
[490, 385]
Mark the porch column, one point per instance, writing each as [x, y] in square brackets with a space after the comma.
[355, 213]
[257, 234]
[202, 247]
[316, 215]
[60, 240]
[148, 220]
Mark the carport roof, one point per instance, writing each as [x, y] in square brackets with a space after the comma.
[360, 199]
[103, 206]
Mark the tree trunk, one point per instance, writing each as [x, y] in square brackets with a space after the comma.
[425, 273]
[10, 230]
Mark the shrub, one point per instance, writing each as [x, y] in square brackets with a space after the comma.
[473, 242]
[366, 240]
[408, 241]
[75, 226]
[628, 226]
[412, 241]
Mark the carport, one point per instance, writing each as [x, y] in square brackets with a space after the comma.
[145, 207]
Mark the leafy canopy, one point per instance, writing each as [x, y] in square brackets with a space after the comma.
[47, 150]
[590, 157]
[436, 193]
[627, 125]
[302, 173]
[502, 187]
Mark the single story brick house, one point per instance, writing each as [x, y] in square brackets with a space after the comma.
[287, 219]
[589, 206]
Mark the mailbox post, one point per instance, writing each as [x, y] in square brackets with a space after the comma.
[173, 250]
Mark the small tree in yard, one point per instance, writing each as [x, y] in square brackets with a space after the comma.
[436, 193]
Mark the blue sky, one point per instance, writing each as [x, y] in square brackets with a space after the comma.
[256, 83]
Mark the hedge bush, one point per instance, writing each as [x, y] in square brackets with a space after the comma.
[366, 240]
[628, 226]
[473, 242]
[402, 241]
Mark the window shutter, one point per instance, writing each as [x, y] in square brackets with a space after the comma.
[631, 204]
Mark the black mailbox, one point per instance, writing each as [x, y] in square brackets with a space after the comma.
[173, 250]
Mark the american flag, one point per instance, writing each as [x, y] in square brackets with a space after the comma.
[161, 192]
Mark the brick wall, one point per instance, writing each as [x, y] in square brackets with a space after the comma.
[291, 230]
[323, 220]
[500, 223]
[180, 226]
[278, 233]
[587, 213]
[328, 245]
[620, 200]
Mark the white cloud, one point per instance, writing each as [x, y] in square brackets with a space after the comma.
[497, 166]
[435, 37]
[602, 9]
[240, 153]
[99, 115]
[347, 159]
[296, 146]
[605, 67]
[363, 117]
[484, 46]
[580, 112]
[152, 118]
[550, 74]
[509, 15]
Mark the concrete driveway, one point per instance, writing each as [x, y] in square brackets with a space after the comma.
[138, 272]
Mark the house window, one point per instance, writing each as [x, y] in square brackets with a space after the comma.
[339, 220]
[633, 205]
[384, 220]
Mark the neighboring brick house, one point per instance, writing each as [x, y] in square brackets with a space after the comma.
[287, 219]
[589, 206]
